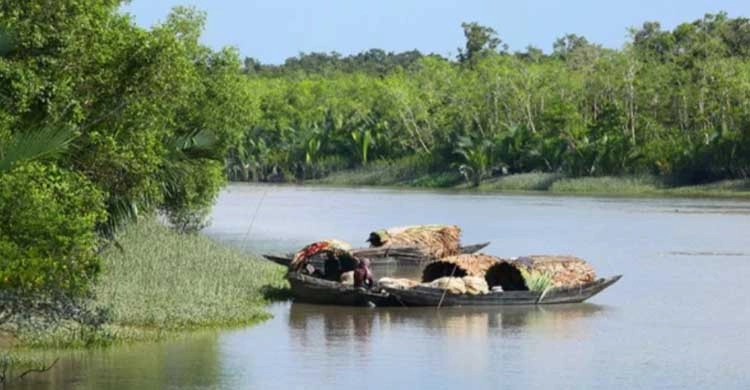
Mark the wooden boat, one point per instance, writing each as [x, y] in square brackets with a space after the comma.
[310, 289]
[401, 255]
[431, 296]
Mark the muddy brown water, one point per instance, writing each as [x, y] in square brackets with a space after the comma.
[679, 318]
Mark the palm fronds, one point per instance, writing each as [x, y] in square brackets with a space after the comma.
[536, 280]
[196, 144]
[33, 145]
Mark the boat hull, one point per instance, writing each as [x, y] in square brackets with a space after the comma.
[310, 289]
[428, 296]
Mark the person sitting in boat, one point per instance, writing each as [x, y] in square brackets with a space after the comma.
[363, 274]
[332, 267]
[338, 259]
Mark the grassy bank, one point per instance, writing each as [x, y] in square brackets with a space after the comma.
[409, 171]
[402, 175]
[162, 283]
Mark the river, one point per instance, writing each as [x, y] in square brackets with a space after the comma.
[678, 319]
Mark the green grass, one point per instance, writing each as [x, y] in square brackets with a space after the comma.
[163, 283]
[521, 182]
[626, 185]
[379, 173]
[727, 188]
[535, 280]
[404, 173]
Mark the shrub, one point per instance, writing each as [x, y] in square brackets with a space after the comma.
[190, 190]
[48, 218]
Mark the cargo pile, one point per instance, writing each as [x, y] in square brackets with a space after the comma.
[438, 240]
[330, 271]
[479, 273]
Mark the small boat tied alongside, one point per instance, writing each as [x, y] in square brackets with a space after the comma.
[405, 245]
[331, 272]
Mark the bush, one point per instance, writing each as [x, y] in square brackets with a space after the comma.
[190, 190]
[48, 218]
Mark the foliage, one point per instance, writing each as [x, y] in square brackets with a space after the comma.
[672, 104]
[536, 280]
[188, 203]
[102, 122]
[161, 283]
[479, 41]
[33, 145]
[127, 93]
[171, 281]
[47, 238]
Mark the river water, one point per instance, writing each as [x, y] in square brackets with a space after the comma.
[679, 318]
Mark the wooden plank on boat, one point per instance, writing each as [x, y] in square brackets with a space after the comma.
[474, 248]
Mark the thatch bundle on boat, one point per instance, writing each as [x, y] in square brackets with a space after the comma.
[451, 285]
[338, 249]
[559, 271]
[401, 283]
[438, 240]
[565, 271]
[523, 273]
[459, 266]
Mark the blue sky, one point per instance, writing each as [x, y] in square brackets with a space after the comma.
[273, 30]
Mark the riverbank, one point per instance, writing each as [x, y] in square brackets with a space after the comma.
[160, 284]
[394, 175]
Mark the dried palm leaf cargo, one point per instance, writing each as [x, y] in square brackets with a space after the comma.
[459, 266]
[449, 284]
[337, 248]
[471, 285]
[397, 282]
[476, 285]
[347, 278]
[402, 255]
[439, 240]
[565, 271]
[513, 274]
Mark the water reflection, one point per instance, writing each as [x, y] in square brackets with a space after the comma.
[675, 322]
[310, 323]
[192, 362]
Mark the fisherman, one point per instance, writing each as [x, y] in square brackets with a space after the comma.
[332, 268]
[363, 275]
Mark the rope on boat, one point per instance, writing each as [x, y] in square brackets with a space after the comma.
[255, 215]
[445, 290]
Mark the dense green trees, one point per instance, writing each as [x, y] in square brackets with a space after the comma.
[671, 103]
[48, 242]
[102, 121]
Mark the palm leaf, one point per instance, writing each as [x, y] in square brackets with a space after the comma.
[5, 43]
[34, 145]
[197, 144]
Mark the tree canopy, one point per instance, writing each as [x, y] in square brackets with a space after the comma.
[669, 103]
[103, 121]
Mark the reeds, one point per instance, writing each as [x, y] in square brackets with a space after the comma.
[162, 282]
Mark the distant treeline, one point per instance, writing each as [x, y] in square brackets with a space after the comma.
[670, 103]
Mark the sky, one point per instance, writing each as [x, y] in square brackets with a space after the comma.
[274, 30]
